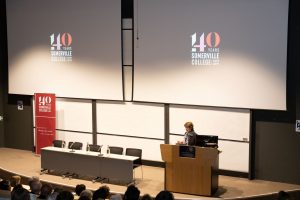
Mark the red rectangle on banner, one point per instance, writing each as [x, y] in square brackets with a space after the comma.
[45, 120]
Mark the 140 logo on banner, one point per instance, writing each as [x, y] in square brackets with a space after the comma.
[205, 49]
[61, 49]
[44, 103]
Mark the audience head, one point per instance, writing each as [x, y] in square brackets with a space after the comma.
[35, 185]
[282, 195]
[79, 188]
[132, 193]
[164, 195]
[65, 195]
[19, 193]
[146, 197]
[15, 180]
[101, 193]
[86, 193]
[115, 197]
[84, 198]
[5, 185]
[46, 190]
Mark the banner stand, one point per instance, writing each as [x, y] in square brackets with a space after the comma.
[45, 120]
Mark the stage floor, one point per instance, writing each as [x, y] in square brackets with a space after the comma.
[27, 164]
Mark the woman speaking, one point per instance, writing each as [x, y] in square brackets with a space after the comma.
[189, 135]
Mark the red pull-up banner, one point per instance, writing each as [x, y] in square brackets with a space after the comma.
[45, 120]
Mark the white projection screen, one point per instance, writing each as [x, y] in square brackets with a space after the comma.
[227, 53]
[68, 47]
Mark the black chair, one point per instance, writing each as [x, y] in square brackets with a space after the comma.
[75, 145]
[94, 148]
[59, 143]
[138, 162]
[116, 150]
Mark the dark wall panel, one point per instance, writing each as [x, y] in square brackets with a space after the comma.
[295, 54]
[18, 123]
[276, 144]
[1, 111]
[3, 66]
[277, 152]
[293, 58]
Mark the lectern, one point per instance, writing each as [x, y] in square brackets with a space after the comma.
[193, 172]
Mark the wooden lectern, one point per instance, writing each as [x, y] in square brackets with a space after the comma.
[191, 175]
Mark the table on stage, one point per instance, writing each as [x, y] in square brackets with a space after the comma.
[116, 168]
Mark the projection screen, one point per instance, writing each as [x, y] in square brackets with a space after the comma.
[227, 53]
[68, 47]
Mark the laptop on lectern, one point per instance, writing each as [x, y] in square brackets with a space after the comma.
[207, 141]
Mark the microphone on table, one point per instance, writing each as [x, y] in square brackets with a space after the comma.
[71, 147]
[99, 150]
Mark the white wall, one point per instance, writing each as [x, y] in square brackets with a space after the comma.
[233, 124]
[74, 115]
[132, 119]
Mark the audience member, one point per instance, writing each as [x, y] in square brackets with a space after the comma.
[78, 189]
[19, 193]
[35, 187]
[46, 190]
[146, 197]
[65, 195]
[101, 193]
[132, 193]
[16, 187]
[164, 195]
[15, 180]
[116, 197]
[84, 198]
[5, 185]
[5, 189]
[87, 193]
[282, 195]
[54, 193]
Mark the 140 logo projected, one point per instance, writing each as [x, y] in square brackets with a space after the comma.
[205, 49]
[61, 49]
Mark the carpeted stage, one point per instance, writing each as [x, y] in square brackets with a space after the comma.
[27, 164]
